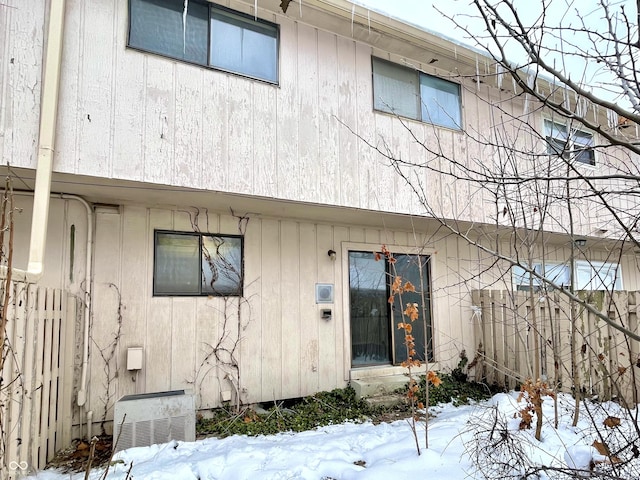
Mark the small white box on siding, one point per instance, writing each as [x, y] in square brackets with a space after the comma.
[134, 358]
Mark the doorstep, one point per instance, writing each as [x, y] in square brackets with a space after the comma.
[382, 380]
[378, 386]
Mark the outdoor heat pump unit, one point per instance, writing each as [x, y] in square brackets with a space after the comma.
[150, 418]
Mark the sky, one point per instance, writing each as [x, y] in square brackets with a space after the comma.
[431, 15]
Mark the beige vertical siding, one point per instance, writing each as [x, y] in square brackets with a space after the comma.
[21, 46]
[286, 349]
[129, 115]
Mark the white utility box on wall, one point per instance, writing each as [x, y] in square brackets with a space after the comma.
[150, 418]
[134, 358]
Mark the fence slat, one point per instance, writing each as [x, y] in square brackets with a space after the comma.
[45, 307]
[606, 359]
[56, 312]
[20, 383]
[65, 399]
[30, 406]
[523, 346]
[634, 351]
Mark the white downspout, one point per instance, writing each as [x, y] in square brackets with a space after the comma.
[46, 146]
[44, 169]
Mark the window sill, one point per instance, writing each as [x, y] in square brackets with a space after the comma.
[419, 122]
[205, 67]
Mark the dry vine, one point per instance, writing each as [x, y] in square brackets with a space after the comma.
[7, 378]
[108, 355]
[222, 355]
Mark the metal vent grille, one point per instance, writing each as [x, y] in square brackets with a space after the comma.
[324, 292]
[154, 418]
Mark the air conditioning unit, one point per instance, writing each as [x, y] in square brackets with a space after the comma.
[150, 418]
[324, 293]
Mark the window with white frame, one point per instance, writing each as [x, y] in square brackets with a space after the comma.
[409, 93]
[588, 276]
[569, 143]
[598, 276]
[193, 264]
[206, 34]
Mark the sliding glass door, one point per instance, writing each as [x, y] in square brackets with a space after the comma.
[375, 339]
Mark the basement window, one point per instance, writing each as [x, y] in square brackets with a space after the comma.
[195, 264]
[206, 34]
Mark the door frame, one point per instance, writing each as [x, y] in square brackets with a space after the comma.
[388, 369]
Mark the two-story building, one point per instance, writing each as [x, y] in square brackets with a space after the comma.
[209, 189]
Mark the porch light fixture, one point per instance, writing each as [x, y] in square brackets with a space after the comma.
[580, 242]
[332, 254]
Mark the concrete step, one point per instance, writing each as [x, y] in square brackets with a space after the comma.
[373, 387]
[391, 400]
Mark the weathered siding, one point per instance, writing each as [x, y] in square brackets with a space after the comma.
[129, 115]
[21, 47]
[135, 116]
[285, 349]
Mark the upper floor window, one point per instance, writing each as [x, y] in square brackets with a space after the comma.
[589, 275]
[206, 34]
[410, 93]
[570, 143]
[191, 263]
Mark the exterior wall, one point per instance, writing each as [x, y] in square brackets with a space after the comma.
[286, 349]
[132, 116]
[21, 50]
[65, 258]
[129, 115]
[135, 116]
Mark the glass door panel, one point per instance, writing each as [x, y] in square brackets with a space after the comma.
[408, 268]
[370, 322]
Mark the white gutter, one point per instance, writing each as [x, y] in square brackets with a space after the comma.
[46, 145]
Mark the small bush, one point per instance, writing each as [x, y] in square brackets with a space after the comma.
[455, 388]
[334, 407]
[324, 408]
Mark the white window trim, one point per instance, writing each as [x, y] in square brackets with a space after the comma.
[572, 151]
[591, 268]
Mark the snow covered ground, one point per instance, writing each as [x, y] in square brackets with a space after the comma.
[385, 451]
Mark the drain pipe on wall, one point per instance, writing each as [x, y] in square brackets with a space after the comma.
[46, 146]
[82, 392]
[44, 170]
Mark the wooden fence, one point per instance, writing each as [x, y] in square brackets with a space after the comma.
[519, 334]
[36, 401]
